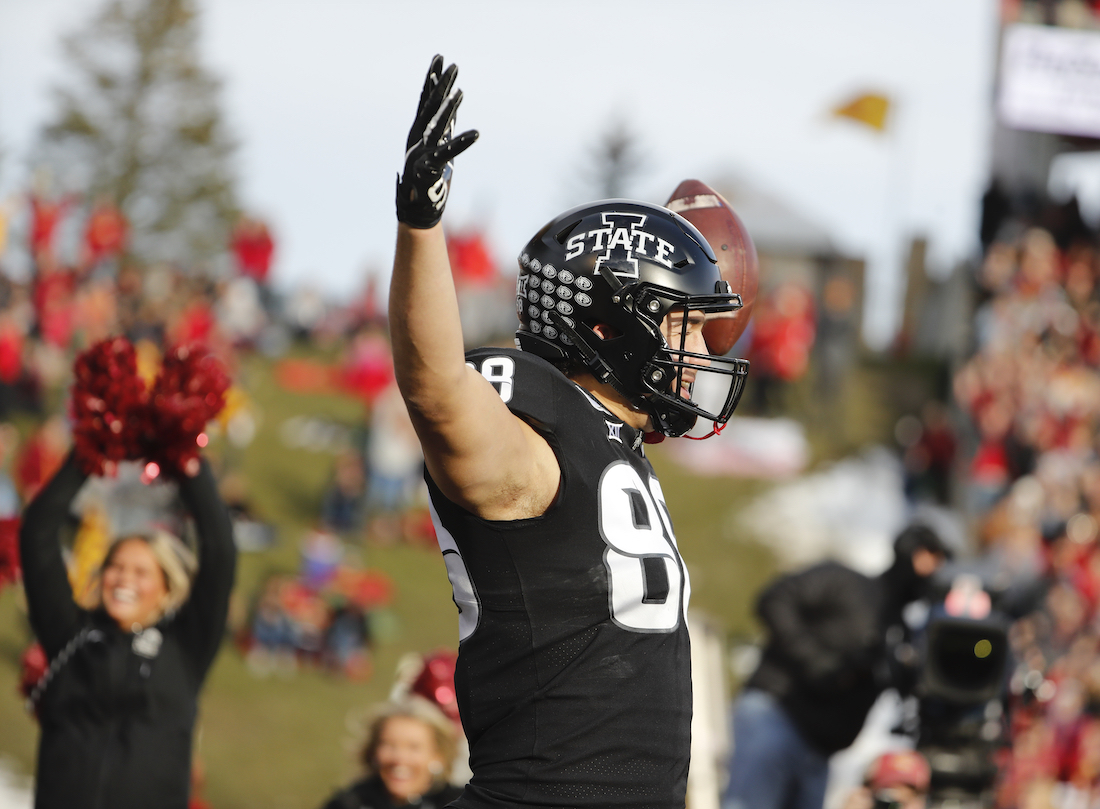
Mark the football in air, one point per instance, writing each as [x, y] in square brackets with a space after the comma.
[708, 210]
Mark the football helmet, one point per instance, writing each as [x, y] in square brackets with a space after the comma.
[594, 287]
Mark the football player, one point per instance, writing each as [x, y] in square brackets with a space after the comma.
[573, 677]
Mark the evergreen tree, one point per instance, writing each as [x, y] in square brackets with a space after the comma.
[139, 126]
[614, 162]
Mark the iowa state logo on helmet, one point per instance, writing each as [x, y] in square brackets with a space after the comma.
[620, 242]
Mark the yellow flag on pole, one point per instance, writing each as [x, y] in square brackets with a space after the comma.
[869, 108]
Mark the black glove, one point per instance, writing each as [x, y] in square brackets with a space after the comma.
[422, 189]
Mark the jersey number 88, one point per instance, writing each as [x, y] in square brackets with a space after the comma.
[647, 581]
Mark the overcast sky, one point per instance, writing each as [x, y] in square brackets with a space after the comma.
[321, 93]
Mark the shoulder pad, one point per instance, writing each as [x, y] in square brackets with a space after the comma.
[528, 384]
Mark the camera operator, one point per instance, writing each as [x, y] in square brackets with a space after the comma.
[824, 665]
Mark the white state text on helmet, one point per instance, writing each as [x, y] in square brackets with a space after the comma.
[620, 239]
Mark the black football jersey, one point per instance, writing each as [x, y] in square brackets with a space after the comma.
[574, 672]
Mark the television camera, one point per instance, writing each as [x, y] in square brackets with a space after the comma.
[962, 656]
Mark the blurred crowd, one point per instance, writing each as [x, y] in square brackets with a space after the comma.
[67, 282]
[1031, 396]
[320, 615]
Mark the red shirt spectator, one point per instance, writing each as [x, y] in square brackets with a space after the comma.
[253, 247]
[11, 351]
[45, 217]
[784, 333]
[194, 324]
[471, 261]
[42, 455]
[105, 234]
[53, 302]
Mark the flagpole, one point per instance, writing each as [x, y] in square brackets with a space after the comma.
[895, 293]
[878, 112]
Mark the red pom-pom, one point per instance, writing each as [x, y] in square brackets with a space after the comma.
[10, 570]
[188, 393]
[108, 398]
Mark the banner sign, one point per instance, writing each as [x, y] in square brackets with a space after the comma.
[1050, 80]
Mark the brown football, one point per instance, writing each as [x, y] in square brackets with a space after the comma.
[708, 210]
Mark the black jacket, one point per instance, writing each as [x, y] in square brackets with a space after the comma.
[370, 793]
[117, 717]
[825, 660]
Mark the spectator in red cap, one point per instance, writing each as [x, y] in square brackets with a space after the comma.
[898, 779]
[436, 683]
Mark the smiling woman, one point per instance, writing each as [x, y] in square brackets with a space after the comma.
[118, 702]
[407, 755]
[145, 577]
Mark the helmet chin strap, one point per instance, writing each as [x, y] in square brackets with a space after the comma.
[715, 430]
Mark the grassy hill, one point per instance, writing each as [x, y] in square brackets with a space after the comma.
[283, 741]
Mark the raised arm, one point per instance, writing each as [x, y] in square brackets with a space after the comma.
[54, 615]
[203, 615]
[481, 456]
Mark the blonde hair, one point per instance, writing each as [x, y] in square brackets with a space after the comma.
[177, 562]
[411, 707]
